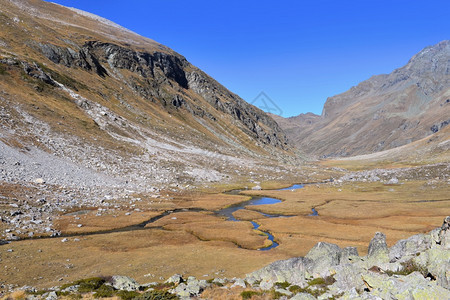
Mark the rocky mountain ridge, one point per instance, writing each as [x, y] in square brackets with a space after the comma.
[92, 114]
[81, 81]
[383, 112]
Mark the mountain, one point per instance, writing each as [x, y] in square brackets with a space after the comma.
[383, 112]
[85, 102]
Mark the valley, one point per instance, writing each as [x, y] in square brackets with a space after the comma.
[120, 157]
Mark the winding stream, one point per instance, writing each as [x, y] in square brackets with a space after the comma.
[228, 211]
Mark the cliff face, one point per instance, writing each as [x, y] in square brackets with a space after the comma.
[383, 112]
[141, 110]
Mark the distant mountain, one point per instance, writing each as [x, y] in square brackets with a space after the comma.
[383, 112]
[85, 101]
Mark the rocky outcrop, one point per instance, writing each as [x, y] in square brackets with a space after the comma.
[157, 69]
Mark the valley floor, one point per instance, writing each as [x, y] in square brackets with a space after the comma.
[187, 237]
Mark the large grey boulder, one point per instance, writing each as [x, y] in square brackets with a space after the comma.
[192, 288]
[410, 246]
[348, 277]
[378, 249]
[349, 254]
[413, 286]
[436, 261]
[444, 234]
[292, 270]
[124, 283]
[323, 256]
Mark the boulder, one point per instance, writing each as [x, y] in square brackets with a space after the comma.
[349, 254]
[176, 279]
[323, 256]
[292, 270]
[124, 283]
[238, 282]
[348, 277]
[436, 262]
[410, 246]
[444, 234]
[192, 288]
[378, 249]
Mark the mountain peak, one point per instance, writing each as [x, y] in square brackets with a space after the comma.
[383, 112]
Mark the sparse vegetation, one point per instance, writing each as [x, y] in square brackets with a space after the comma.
[157, 295]
[322, 281]
[249, 294]
[409, 267]
[283, 285]
[128, 295]
[2, 70]
[88, 285]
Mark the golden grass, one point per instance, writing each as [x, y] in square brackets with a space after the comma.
[90, 222]
[160, 253]
[202, 243]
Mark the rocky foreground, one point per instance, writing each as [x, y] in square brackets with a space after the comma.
[414, 268]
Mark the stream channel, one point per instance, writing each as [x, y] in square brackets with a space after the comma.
[228, 211]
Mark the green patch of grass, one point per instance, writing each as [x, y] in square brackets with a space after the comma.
[37, 293]
[89, 284]
[104, 291]
[157, 295]
[283, 285]
[315, 292]
[322, 281]
[249, 294]
[127, 295]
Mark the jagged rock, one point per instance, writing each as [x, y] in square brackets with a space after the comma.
[124, 283]
[436, 261]
[444, 234]
[412, 286]
[349, 254]
[192, 288]
[378, 250]
[176, 279]
[410, 246]
[323, 256]
[292, 270]
[256, 188]
[348, 277]
[51, 296]
[239, 282]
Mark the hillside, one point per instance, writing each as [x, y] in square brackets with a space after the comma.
[383, 112]
[85, 102]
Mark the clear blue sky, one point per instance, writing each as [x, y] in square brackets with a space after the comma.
[297, 52]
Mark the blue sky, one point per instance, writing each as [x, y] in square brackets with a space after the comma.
[297, 52]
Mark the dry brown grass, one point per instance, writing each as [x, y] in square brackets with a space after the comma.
[91, 222]
[350, 215]
[201, 243]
